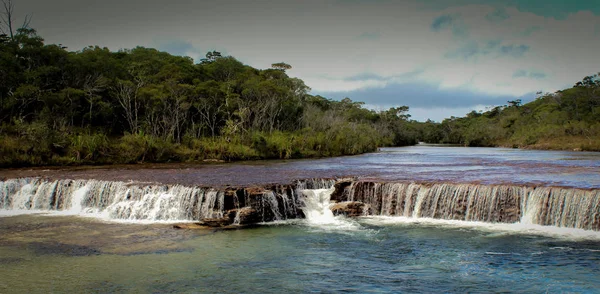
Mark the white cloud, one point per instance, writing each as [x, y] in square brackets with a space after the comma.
[323, 39]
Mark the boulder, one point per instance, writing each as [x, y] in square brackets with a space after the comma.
[216, 222]
[339, 193]
[348, 208]
[246, 215]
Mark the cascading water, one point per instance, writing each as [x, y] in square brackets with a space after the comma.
[548, 206]
[112, 200]
[316, 206]
[318, 214]
[77, 199]
[144, 202]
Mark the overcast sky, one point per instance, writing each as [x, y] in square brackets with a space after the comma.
[439, 57]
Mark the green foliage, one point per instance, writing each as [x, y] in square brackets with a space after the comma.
[567, 119]
[96, 106]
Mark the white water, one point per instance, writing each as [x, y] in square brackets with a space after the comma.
[78, 199]
[521, 207]
[495, 229]
[317, 203]
[549, 206]
[109, 200]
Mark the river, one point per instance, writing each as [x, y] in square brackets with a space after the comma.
[87, 241]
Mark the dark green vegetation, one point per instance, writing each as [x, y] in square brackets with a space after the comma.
[141, 105]
[565, 120]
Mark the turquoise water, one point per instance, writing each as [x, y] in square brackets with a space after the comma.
[368, 255]
[71, 254]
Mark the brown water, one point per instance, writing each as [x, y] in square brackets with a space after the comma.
[416, 163]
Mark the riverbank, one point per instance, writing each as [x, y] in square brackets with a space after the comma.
[97, 149]
[565, 143]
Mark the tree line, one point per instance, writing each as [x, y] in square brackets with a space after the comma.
[568, 119]
[97, 106]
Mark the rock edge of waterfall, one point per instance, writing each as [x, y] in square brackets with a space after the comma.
[232, 207]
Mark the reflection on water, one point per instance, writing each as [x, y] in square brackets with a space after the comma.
[68, 254]
[415, 163]
[42, 254]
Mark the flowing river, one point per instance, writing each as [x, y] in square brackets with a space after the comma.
[432, 219]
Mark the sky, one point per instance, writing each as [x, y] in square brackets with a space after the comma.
[441, 58]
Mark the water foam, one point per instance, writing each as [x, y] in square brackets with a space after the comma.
[496, 229]
[318, 214]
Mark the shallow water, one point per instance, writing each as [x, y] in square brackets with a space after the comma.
[368, 255]
[425, 163]
[68, 253]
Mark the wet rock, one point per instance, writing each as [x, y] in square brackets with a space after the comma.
[339, 193]
[189, 226]
[246, 215]
[348, 208]
[216, 222]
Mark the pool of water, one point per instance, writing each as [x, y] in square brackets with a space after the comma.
[429, 163]
[41, 253]
[364, 255]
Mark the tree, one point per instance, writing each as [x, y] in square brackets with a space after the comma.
[7, 20]
[282, 66]
[211, 57]
[94, 84]
[127, 94]
[514, 103]
[209, 104]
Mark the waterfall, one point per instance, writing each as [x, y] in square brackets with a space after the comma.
[148, 202]
[316, 206]
[78, 199]
[112, 200]
[548, 206]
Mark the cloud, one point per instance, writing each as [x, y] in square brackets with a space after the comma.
[521, 73]
[473, 48]
[369, 36]
[361, 47]
[422, 95]
[530, 30]
[440, 113]
[514, 50]
[556, 9]
[442, 22]
[181, 48]
[498, 15]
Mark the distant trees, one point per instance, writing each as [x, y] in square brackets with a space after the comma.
[567, 119]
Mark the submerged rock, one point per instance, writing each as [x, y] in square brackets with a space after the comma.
[190, 226]
[216, 222]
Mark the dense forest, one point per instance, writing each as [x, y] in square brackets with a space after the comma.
[568, 119]
[96, 106]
